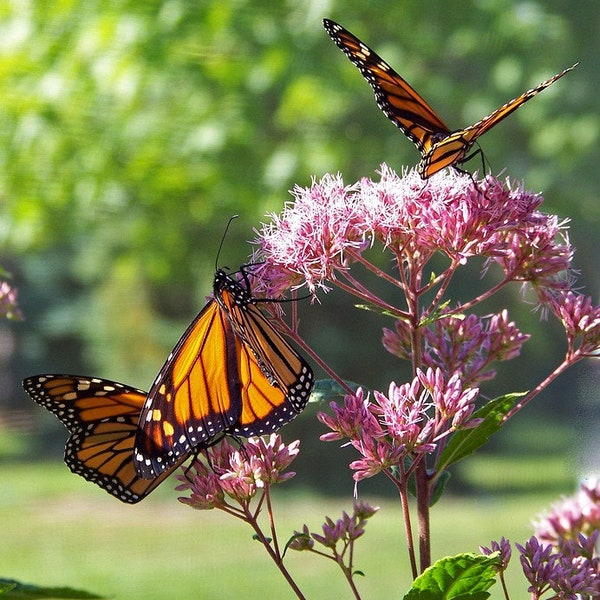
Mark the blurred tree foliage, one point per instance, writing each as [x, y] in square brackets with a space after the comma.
[132, 131]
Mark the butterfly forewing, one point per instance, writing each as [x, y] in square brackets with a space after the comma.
[194, 395]
[485, 124]
[102, 417]
[398, 100]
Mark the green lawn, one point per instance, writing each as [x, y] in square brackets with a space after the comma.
[59, 530]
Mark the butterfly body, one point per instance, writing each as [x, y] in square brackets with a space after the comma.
[230, 372]
[439, 146]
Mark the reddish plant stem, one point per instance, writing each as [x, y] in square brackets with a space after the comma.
[273, 554]
[569, 361]
[423, 491]
[403, 493]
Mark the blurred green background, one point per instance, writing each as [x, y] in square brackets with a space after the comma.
[132, 131]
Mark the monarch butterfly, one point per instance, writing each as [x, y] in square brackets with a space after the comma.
[102, 417]
[230, 372]
[439, 146]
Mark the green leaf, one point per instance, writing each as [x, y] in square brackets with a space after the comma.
[292, 539]
[326, 390]
[461, 577]
[440, 313]
[439, 486]
[466, 441]
[4, 585]
[14, 590]
[378, 310]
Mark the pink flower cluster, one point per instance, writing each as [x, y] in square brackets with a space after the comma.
[570, 570]
[330, 227]
[412, 420]
[461, 344]
[571, 516]
[330, 224]
[565, 568]
[228, 472]
[581, 320]
[345, 530]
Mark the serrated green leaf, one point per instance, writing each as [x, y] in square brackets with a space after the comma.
[326, 390]
[461, 577]
[24, 591]
[466, 441]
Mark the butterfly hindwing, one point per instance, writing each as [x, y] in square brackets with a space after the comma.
[278, 380]
[102, 417]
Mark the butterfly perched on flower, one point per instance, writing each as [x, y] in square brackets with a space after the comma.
[231, 372]
[439, 146]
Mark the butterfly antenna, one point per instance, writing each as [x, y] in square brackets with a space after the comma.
[223, 240]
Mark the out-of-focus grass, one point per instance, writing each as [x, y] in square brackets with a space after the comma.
[59, 530]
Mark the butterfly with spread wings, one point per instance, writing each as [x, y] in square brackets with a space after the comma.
[230, 372]
[102, 417]
[439, 146]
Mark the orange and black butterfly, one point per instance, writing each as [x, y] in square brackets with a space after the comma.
[230, 372]
[439, 146]
[102, 417]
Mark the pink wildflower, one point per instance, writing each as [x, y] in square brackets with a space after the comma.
[237, 474]
[328, 225]
[576, 514]
[408, 422]
[470, 344]
[503, 547]
[310, 238]
[569, 570]
[9, 308]
[350, 420]
[345, 530]
[580, 318]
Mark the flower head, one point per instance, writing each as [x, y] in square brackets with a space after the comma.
[579, 317]
[408, 422]
[571, 516]
[568, 569]
[329, 225]
[312, 235]
[228, 472]
[347, 529]
[503, 546]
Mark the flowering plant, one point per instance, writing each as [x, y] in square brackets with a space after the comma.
[413, 432]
